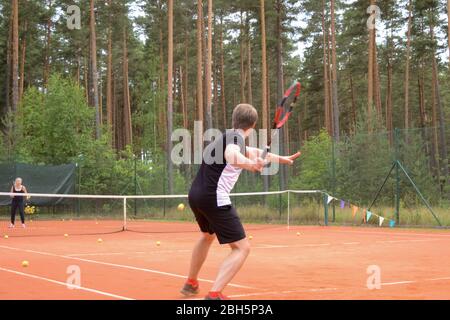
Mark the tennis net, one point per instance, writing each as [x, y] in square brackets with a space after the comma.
[60, 214]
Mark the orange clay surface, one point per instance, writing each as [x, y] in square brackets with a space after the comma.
[320, 263]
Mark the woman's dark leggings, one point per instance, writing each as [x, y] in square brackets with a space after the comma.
[17, 205]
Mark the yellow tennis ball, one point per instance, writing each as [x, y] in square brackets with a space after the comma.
[181, 207]
[6, 236]
[298, 233]
[100, 240]
[25, 263]
[66, 235]
[251, 237]
[158, 243]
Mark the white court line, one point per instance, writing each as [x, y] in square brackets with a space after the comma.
[269, 246]
[65, 284]
[123, 253]
[439, 279]
[409, 240]
[351, 243]
[119, 266]
[396, 283]
[103, 254]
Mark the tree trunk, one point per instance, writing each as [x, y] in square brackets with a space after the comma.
[128, 137]
[86, 77]
[448, 30]
[222, 77]
[9, 64]
[242, 55]
[370, 75]
[109, 92]
[264, 79]
[353, 94]
[440, 113]
[389, 119]
[264, 67]
[335, 102]
[186, 79]
[48, 45]
[408, 59]
[162, 79]
[209, 68]
[326, 82]
[421, 82]
[249, 63]
[94, 73]
[15, 57]
[170, 95]
[377, 86]
[78, 72]
[183, 99]
[22, 60]
[200, 62]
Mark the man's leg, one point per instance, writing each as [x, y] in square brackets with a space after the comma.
[232, 264]
[199, 254]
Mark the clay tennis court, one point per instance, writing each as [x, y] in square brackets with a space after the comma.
[319, 263]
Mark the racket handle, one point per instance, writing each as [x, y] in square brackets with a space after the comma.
[264, 156]
[265, 152]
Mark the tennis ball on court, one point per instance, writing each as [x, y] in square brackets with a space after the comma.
[298, 234]
[66, 235]
[250, 238]
[100, 240]
[25, 263]
[181, 207]
[158, 243]
[6, 236]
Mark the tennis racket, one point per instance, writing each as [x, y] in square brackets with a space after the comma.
[283, 112]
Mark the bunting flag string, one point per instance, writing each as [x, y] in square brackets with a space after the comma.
[367, 215]
[330, 198]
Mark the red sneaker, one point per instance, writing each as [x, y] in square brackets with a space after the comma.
[190, 290]
[216, 296]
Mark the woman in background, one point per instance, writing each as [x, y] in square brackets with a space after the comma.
[18, 202]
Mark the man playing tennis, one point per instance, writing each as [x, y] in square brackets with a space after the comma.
[209, 199]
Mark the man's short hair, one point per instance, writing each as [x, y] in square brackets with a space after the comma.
[245, 116]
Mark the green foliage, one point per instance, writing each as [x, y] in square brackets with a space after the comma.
[55, 126]
[315, 164]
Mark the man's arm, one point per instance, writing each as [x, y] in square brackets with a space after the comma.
[234, 157]
[253, 153]
[12, 190]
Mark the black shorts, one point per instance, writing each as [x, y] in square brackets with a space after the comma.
[222, 221]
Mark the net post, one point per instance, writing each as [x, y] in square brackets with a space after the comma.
[288, 210]
[325, 204]
[124, 214]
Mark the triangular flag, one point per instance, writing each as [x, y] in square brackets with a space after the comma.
[369, 214]
[381, 221]
[342, 204]
[392, 223]
[330, 198]
[354, 210]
